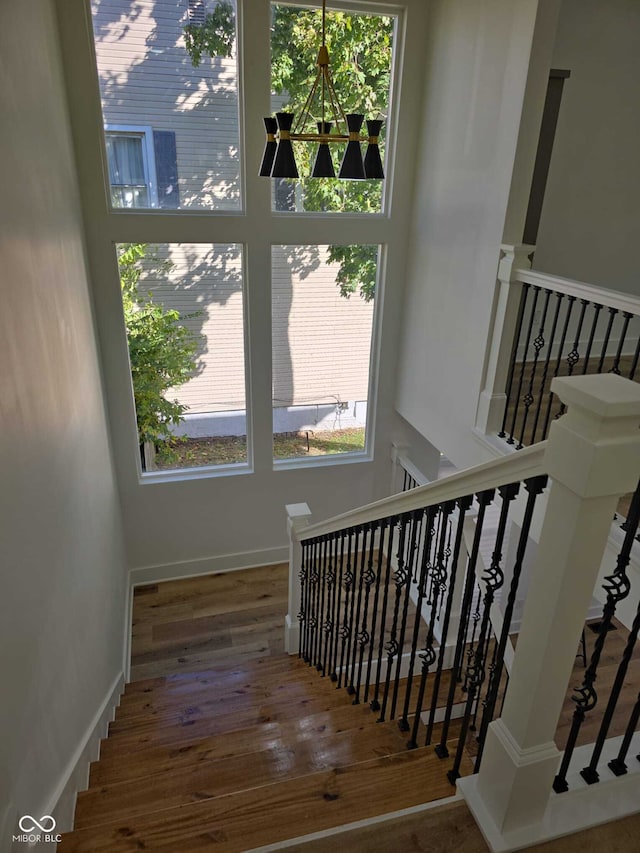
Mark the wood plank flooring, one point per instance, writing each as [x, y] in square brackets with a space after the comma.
[253, 746]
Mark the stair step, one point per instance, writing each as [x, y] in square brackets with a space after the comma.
[211, 688]
[239, 821]
[273, 759]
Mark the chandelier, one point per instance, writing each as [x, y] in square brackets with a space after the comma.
[334, 126]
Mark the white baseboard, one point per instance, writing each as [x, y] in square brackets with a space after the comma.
[208, 565]
[75, 776]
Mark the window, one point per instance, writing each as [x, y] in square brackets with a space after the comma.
[189, 112]
[195, 12]
[131, 163]
[361, 58]
[321, 352]
[300, 381]
[184, 314]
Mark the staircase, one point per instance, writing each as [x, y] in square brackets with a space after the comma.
[243, 756]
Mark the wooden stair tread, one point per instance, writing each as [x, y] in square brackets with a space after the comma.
[265, 664]
[176, 785]
[239, 821]
[209, 689]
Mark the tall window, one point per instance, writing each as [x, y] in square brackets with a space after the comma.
[321, 353]
[188, 104]
[194, 311]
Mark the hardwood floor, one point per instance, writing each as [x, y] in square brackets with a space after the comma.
[223, 741]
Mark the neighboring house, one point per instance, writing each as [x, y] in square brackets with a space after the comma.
[79, 524]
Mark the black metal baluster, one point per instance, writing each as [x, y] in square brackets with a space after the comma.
[488, 643]
[573, 356]
[400, 579]
[331, 600]
[607, 335]
[634, 363]
[364, 636]
[406, 480]
[536, 290]
[475, 618]
[493, 579]
[337, 619]
[405, 609]
[538, 344]
[313, 619]
[403, 722]
[534, 487]
[623, 334]
[428, 654]
[484, 499]
[597, 308]
[384, 526]
[321, 603]
[375, 702]
[617, 587]
[345, 631]
[545, 369]
[352, 625]
[351, 690]
[590, 773]
[570, 302]
[618, 765]
[514, 354]
[464, 504]
[304, 605]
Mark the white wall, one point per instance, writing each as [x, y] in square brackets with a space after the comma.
[591, 216]
[61, 559]
[476, 61]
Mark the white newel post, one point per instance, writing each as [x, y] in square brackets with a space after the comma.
[592, 458]
[493, 397]
[298, 516]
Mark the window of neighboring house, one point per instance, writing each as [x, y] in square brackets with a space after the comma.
[321, 341]
[195, 11]
[131, 167]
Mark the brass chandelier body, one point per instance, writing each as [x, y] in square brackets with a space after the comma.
[279, 161]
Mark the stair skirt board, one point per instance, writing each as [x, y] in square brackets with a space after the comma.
[336, 831]
[75, 777]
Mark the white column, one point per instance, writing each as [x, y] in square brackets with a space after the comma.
[493, 397]
[592, 458]
[298, 516]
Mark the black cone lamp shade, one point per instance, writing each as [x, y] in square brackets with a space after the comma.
[372, 160]
[271, 126]
[352, 166]
[284, 165]
[323, 166]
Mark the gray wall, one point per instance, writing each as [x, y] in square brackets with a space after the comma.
[61, 559]
[591, 216]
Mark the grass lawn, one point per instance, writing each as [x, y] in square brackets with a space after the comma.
[194, 452]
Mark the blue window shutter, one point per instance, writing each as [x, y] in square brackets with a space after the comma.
[164, 147]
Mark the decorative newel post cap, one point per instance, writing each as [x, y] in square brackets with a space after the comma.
[594, 449]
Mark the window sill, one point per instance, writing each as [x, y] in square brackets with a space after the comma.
[330, 459]
[173, 475]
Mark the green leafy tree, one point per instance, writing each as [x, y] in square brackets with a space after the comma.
[360, 49]
[161, 350]
[213, 37]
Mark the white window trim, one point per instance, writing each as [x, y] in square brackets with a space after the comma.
[145, 133]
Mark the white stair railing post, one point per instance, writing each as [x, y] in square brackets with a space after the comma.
[298, 516]
[493, 397]
[592, 458]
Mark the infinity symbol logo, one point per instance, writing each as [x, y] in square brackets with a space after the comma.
[27, 823]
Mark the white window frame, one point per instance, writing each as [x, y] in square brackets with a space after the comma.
[144, 132]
